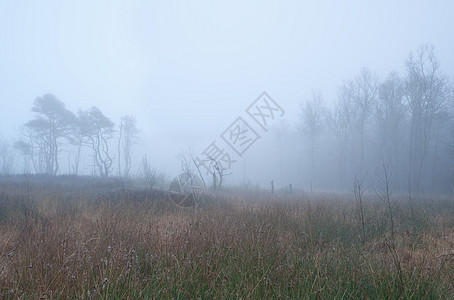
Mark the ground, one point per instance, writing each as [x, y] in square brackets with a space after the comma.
[71, 237]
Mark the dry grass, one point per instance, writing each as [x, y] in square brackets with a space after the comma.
[58, 242]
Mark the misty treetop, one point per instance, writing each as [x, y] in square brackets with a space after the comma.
[51, 125]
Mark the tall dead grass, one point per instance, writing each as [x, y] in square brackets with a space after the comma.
[57, 242]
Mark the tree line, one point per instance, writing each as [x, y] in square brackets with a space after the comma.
[404, 123]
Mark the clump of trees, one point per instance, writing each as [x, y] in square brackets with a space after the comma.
[405, 123]
[46, 133]
[56, 135]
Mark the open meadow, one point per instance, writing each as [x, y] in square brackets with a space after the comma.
[84, 238]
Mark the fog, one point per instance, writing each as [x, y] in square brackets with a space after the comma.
[186, 70]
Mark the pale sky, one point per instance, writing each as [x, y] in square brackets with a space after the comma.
[187, 69]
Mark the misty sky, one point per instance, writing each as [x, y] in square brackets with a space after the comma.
[187, 69]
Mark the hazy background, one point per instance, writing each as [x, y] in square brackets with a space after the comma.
[187, 69]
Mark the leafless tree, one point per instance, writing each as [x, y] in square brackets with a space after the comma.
[188, 163]
[390, 113]
[149, 173]
[365, 92]
[218, 172]
[340, 122]
[427, 95]
[350, 118]
[311, 118]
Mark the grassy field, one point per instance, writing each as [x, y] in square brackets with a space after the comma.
[59, 240]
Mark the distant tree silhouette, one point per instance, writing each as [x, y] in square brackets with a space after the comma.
[391, 117]
[340, 122]
[427, 94]
[52, 124]
[365, 92]
[97, 130]
[311, 123]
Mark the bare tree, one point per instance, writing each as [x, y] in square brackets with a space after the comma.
[98, 130]
[340, 122]
[365, 92]
[390, 113]
[218, 172]
[350, 119]
[311, 125]
[52, 124]
[149, 173]
[128, 137]
[188, 162]
[427, 94]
